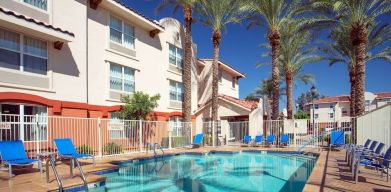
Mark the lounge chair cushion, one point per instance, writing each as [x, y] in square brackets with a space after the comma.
[258, 138]
[198, 139]
[12, 150]
[65, 147]
[21, 162]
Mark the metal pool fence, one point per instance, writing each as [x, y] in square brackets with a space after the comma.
[99, 137]
[107, 137]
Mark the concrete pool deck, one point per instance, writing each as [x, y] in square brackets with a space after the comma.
[329, 174]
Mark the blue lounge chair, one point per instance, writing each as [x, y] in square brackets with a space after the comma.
[270, 140]
[337, 138]
[13, 154]
[247, 139]
[67, 150]
[197, 140]
[284, 139]
[382, 163]
[368, 157]
[258, 139]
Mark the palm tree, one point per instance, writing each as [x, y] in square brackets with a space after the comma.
[188, 6]
[340, 50]
[217, 15]
[357, 16]
[295, 53]
[264, 89]
[275, 13]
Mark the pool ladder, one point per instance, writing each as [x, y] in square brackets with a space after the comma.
[52, 163]
[157, 145]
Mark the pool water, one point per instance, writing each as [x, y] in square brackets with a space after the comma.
[246, 171]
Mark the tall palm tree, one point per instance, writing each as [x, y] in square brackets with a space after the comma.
[357, 16]
[295, 54]
[187, 6]
[275, 13]
[340, 50]
[217, 15]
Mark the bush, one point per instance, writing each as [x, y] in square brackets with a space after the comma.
[86, 149]
[113, 148]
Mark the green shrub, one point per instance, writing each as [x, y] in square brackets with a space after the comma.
[113, 148]
[86, 149]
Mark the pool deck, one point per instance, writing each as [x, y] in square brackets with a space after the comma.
[330, 173]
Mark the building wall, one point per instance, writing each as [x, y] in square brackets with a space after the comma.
[225, 86]
[90, 50]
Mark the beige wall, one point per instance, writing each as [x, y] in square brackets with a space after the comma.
[67, 76]
[375, 125]
[66, 67]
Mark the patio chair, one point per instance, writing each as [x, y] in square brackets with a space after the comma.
[284, 139]
[258, 139]
[337, 138]
[197, 140]
[67, 150]
[247, 140]
[271, 140]
[368, 157]
[13, 154]
[381, 163]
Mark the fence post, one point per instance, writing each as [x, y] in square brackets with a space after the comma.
[191, 132]
[140, 135]
[294, 133]
[213, 134]
[38, 134]
[100, 153]
[169, 136]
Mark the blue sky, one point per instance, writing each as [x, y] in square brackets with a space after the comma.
[240, 48]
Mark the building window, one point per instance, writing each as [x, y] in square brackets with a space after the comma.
[176, 91]
[176, 124]
[23, 53]
[175, 56]
[41, 4]
[344, 112]
[332, 106]
[220, 76]
[388, 101]
[233, 82]
[367, 102]
[316, 106]
[331, 115]
[122, 78]
[121, 32]
[316, 116]
[26, 122]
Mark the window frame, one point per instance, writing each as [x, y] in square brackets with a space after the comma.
[332, 105]
[316, 116]
[331, 115]
[234, 82]
[22, 52]
[316, 106]
[48, 2]
[177, 125]
[122, 32]
[177, 94]
[122, 78]
[176, 56]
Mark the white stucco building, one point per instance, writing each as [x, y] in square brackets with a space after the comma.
[331, 109]
[77, 58]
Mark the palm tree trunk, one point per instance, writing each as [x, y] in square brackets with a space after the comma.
[274, 41]
[359, 37]
[352, 77]
[216, 39]
[187, 65]
[289, 98]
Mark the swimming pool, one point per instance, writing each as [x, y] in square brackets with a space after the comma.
[245, 171]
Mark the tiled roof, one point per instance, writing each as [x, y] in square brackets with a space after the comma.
[207, 59]
[383, 95]
[138, 13]
[11, 13]
[244, 103]
[343, 98]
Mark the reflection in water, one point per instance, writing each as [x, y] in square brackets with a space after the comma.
[217, 172]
